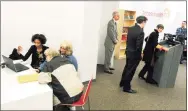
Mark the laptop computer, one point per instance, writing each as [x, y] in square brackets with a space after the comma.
[15, 67]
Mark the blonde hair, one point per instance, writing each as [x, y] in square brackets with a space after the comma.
[68, 47]
[51, 52]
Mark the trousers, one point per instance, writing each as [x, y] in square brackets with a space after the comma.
[147, 68]
[128, 73]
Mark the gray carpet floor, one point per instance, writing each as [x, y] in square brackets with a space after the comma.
[106, 95]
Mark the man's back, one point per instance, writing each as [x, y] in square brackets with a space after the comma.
[134, 41]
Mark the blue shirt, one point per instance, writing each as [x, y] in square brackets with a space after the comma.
[181, 31]
[71, 58]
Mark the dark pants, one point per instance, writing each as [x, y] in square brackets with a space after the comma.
[128, 73]
[183, 56]
[147, 68]
[61, 108]
[67, 101]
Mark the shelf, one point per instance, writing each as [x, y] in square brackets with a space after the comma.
[123, 41]
[130, 19]
[122, 56]
[122, 48]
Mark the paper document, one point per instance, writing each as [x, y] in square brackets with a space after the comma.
[28, 78]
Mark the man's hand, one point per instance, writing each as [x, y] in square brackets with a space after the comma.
[116, 41]
[142, 55]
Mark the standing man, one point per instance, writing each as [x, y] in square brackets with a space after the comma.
[181, 33]
[135, 39]
[110, 42]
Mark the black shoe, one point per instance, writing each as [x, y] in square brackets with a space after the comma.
[109, 72]
[181, 62]
[151, 81]
[111, 68]
[130, 91]
[141, 77]
[121, 84]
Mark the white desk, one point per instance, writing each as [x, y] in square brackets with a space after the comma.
[26, 96]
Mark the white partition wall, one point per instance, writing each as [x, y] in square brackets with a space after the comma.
[89, 47]
[107, 9]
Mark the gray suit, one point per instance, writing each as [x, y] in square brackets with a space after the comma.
[110, 42]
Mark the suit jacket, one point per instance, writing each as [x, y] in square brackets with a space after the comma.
[135, 39]
[151, 43]
[111, 36]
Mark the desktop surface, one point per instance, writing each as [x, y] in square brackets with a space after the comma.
[12, 90]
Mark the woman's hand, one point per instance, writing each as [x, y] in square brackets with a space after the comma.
[37, 70]
[165, 49]
[19, 49]
[159, 47]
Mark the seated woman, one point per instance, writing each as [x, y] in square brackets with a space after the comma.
[61, 75]
[37, 51]
[67, 52]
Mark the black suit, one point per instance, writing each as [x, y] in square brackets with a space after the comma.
[149, 51]
[135, 39]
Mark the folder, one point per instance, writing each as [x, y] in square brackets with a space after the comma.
[28, 78]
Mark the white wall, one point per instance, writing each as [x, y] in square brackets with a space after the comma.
[107, 9]
[58, 21]
[177, 14]
[89, 47]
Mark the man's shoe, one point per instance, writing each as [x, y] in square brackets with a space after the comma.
[130, 91]
[111, 68]
[151, 81]
[109, 72]
[141, 77]
[121, 84]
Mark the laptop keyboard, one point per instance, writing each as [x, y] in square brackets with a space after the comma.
[20, 67]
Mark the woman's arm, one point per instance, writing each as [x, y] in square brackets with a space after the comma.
[45, 75]
[14, 55]
[42, 66]
[27, 55]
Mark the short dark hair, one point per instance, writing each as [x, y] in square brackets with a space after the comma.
[141, 19]
[185, 22]
[160, 26]
[40, 37]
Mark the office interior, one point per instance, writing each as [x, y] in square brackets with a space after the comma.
[84, 23]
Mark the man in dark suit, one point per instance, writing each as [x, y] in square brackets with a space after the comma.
[149, 54]
[110, 42]
[135, 39]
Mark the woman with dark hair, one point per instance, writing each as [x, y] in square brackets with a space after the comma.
[37, 51]
[149, 52]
